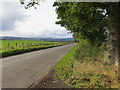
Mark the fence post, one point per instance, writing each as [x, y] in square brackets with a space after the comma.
[23, 45]
[16, 45]
[8, 45]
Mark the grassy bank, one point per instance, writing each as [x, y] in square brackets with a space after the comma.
[14, 47]
[86, 66]
[24, 50]
[19, 44]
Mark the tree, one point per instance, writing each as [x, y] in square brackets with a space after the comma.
[83, 18]
[114, 36]
[30, 3]
[92, 21]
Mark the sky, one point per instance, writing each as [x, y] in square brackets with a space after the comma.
[21, 22]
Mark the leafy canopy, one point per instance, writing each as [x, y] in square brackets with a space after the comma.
[85, 20]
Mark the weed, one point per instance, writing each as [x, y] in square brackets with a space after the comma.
[84, 67]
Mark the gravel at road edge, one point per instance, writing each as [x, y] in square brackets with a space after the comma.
[49, 81]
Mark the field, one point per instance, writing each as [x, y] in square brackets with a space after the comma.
[11, 47]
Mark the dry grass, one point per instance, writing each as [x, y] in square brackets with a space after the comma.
[95, 75]
[94, 67]
[87, 66]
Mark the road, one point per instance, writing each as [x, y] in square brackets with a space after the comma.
[21, 71]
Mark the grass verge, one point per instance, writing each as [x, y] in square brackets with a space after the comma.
[24, 50]
[85, 67]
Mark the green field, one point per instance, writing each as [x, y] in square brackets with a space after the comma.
[15, 44]
[11, 47]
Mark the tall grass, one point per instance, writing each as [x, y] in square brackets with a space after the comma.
[86, 51]
[84, 67]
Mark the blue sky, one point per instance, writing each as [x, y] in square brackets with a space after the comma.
[40, 22]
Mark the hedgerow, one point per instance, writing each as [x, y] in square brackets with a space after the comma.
[24, 50]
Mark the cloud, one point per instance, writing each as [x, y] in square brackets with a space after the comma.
[39, 22]
[11, 12]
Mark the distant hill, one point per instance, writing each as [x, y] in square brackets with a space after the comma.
[11, 38]
[40, 39]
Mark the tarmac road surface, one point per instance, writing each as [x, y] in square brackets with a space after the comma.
[20, 71]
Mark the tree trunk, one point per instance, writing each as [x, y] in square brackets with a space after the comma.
[114, 35]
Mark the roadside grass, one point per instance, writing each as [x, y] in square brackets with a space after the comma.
[64, 68]
[15, 47]
[93, 75]
[17, 44]
[24, 50]
[85, 66]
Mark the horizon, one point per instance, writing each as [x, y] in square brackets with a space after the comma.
[40, 37]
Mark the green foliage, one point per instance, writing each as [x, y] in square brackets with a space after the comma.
[86, 51]
[85, 20]
[30, 3]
